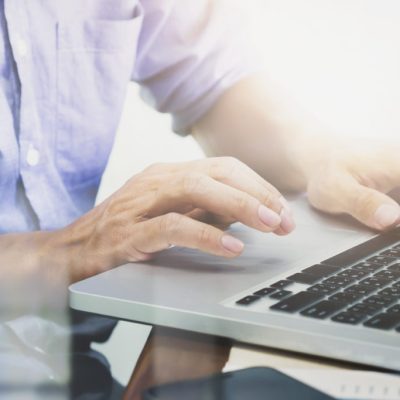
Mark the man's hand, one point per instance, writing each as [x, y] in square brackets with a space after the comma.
[186, 204]
[260, 124]
[175, 204]
[356, 182]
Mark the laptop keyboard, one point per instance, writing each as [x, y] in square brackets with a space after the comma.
[360, 286]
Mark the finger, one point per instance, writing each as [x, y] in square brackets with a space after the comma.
[218, 221]
[201, 191]
[380, 165]
[240, 176]
[161, 232]
[369, 206]
[226, 169]
[223, 222]
[235, 173]
[373, 208]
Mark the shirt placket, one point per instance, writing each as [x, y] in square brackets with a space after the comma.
[31, 147]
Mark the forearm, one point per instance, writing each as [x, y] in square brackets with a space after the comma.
[257, 123]
[53, 257]
[34, 274]
[25, 255]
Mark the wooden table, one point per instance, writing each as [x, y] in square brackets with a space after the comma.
[171, 355]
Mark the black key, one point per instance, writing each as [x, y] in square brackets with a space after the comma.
[304, 278]
[371, 246]
[360, 289]
[280, 295]
[297, 302]
[363, 308]
[248, 300]
[374, 282]
[394, 267]
[366, 266]
[353, 274]
[325, 289]
[281, 284]
[391, 275]
[322, 309]
[346, 297]
[381, 260]
[384, 321]
[382, 301]
[321, 270]
[395, 253]
[265, 292]
[398, 329]
[394, 309]
[390, 291]
[347, 317]
[340, 281]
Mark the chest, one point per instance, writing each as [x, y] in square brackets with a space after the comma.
[74, 60]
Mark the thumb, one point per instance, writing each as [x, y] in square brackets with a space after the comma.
[369, 206]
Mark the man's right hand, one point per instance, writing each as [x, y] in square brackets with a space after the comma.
[181, 204]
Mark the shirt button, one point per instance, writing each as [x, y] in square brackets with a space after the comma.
[33, 156]
[22, 47]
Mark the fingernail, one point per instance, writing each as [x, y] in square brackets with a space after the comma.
[232, 244]
[287, 223]
[268, 217]
[387, 215]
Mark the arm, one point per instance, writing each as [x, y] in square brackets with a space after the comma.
[39, 265]
[165, 204]
[255, 122]
[186, 204]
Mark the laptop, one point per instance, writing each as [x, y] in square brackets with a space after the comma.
[330, 289]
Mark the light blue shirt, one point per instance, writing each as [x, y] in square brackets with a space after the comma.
[64, 70]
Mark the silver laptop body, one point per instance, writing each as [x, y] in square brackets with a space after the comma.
[192, 291]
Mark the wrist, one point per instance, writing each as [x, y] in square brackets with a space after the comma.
[82, 248]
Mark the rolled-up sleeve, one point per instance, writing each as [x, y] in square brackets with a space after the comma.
[189, 53]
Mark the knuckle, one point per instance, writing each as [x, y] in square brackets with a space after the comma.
[204, 235]
[272, 200]
[193, 182]
[113, 206]
[231, 164]
[224, 167]
[364, 204]
[273, 191]
[267, 198]
[169, 224]
[137, 182]
[170, 221]
[215, 169]
[218, 171]
[241, 204]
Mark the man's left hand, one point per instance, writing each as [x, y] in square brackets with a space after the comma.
[358, 182]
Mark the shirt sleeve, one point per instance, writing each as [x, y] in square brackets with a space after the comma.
[189, 53]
